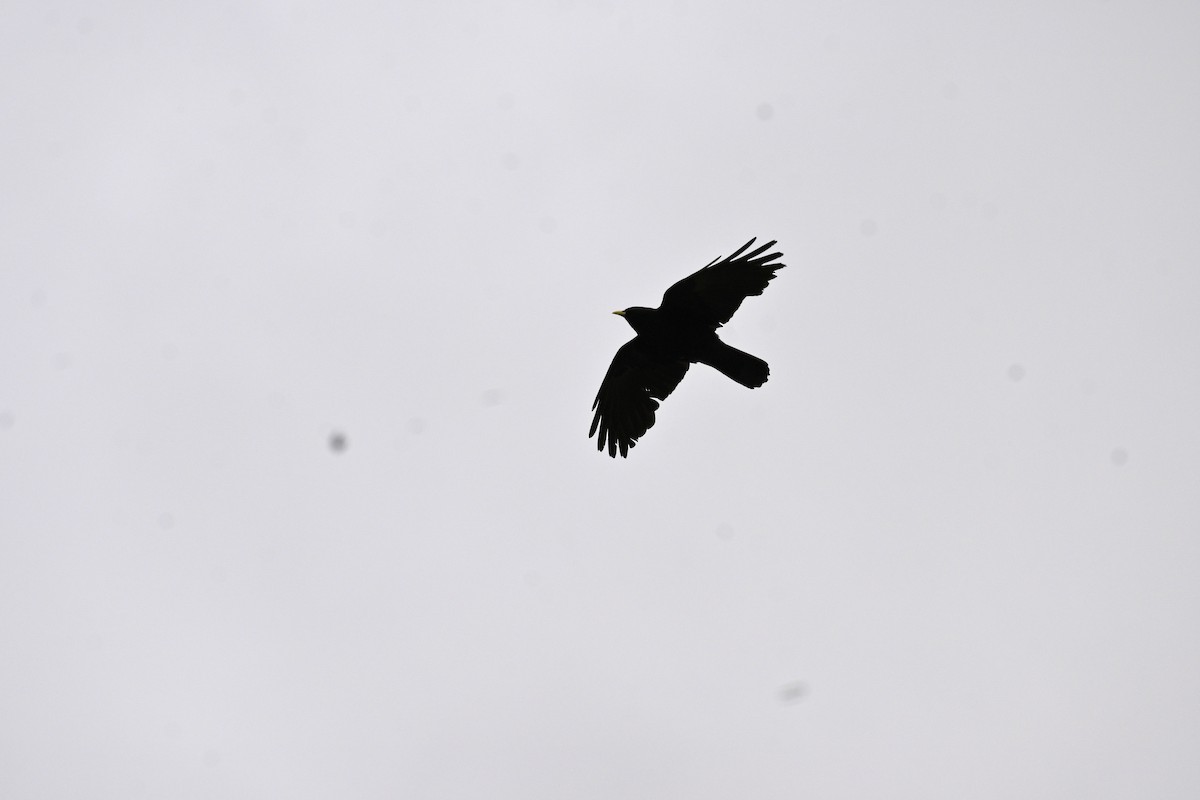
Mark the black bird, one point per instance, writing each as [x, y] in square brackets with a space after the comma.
[680, 332]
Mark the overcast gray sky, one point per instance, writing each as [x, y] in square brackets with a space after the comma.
[950, 550]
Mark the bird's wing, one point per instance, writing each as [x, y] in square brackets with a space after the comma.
[626, 402]
[715, 292]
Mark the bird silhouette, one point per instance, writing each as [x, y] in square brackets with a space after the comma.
[682, 331]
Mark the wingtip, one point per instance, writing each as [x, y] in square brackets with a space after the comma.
[741, 250]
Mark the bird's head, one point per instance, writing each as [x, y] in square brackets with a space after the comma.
[637, 317]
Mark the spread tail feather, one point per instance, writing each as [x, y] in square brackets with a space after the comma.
[750, 371]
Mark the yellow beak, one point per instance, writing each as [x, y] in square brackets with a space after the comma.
[619, 313]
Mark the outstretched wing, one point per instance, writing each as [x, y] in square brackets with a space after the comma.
[715, 292]
[626, 402]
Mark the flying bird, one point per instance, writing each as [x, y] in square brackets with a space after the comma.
[682, 331]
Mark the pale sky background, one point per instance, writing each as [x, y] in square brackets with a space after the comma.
[950, 550]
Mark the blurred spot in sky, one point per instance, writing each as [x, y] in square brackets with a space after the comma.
[792, 693]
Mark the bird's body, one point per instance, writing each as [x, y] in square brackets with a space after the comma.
[680, 332]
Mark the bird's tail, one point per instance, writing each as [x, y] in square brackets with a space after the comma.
[750, 371]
